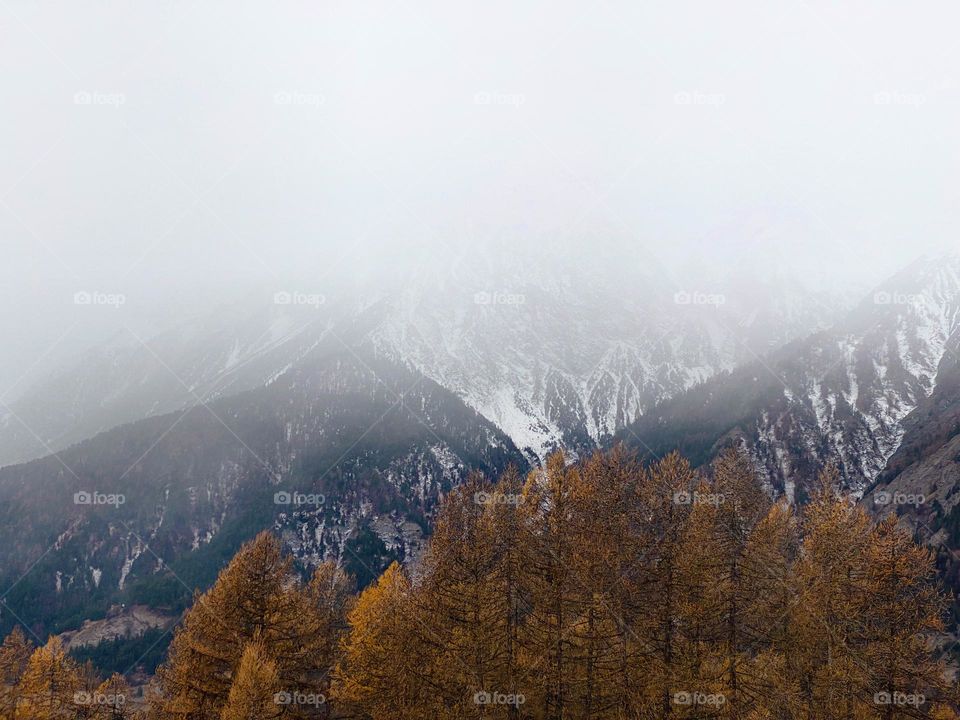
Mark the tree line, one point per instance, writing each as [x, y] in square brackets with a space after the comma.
[601, 589]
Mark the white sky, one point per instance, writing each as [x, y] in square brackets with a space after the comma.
[260, 140]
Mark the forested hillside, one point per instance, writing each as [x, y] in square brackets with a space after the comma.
[348, 449]
[602, 589]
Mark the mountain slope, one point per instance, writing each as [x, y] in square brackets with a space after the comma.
[842, 395]
[553, 352]
[367, 448]
[567, 360]
[134, 377]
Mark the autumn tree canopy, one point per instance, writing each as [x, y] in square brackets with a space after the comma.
[598, 590]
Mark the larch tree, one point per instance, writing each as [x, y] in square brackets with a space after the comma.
[14, 656]
[555, 590]
[255, 596]
[112, 699]
[905, 611]
[605, 566]
[700, 657]
[734, 540]
[381, 675]
[510, 534]
[741, 504]
[461, 605]
[87, 704]
[667, 493]
[825, 644]
[766, 601]
[255, 693]
[331, 594]
[49, 686]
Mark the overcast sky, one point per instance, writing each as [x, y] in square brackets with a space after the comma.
[166, 146]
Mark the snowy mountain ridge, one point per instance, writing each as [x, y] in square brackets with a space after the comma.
[841, 396]
[556, 366]
[882, 367]
[553, 356]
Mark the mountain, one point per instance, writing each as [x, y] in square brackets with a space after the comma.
[133, 377]
[340, 421]
[921, 481]
[345, 453]
[566, 361]
[555, 354]
[844, 395]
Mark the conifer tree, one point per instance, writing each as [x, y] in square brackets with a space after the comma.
[510, 530]
[667, 496]
[381, 674]
[554, 587]
[606, 567]
[824, 648]
[14, 655]
[331, 596]
[255, 693]
[768, 561]
[112, 699]
[700, 660]
[87, 704]
[331, 592]
[48, 688]
[458, 600]
[256, 596]
[731, 529]
[905, 610]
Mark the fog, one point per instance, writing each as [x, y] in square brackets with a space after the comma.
[180, 152]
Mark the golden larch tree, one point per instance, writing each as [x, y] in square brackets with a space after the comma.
[255, 693]
[14, 656]
[49, 686]
[256, 596]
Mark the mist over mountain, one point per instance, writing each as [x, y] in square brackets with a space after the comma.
[557, 355]
[616, 344]
[381, 402]
[845, 395]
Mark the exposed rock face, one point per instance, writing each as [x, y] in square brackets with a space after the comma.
[842, 396]
[125, 622]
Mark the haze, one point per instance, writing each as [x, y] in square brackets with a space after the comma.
[179, 152]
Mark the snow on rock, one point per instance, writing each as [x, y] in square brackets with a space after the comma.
[863, 380]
